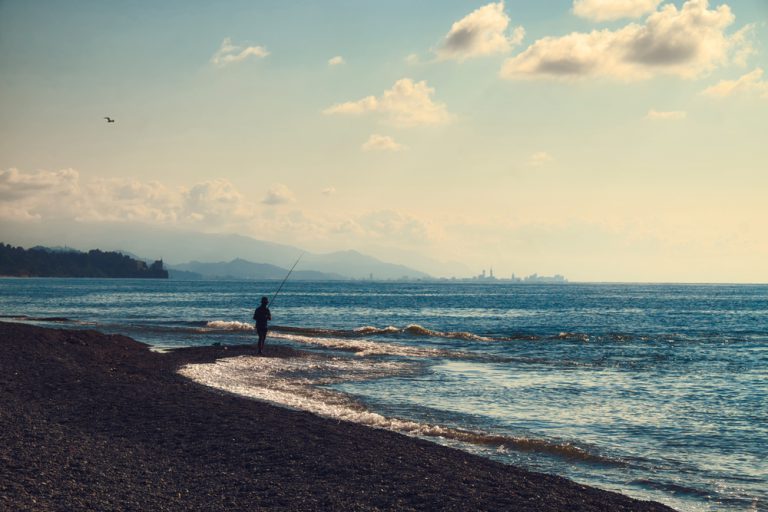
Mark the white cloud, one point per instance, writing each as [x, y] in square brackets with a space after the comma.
[686, 42]
[278, 194]
[229, 53]
[129, 200]
[367, 104]
[336, 61]
[540, 158]
[607, 10]
[745, 84]
[378, 142]
[209, 203]
[216, 201]
[37, 195]
[672, 115]
[481, 32]
[212, 206]
[16, 185]
[389, 224]
[407, 103]
[412, 59]
[63, 195]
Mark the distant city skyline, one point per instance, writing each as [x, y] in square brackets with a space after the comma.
[604, 141]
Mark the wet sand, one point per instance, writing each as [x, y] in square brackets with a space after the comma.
[99, 422]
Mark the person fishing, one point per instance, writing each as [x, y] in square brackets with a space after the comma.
[262, 315]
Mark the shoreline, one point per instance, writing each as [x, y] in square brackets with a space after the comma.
[95, 421]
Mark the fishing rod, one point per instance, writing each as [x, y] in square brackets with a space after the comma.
[286, 278]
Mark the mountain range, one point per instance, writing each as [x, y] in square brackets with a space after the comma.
[242, 269]
[219, 255]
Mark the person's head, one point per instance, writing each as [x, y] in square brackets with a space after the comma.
[264, 301]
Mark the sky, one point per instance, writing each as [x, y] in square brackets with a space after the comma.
[605, 140]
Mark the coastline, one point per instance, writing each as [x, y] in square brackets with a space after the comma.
[95, 421]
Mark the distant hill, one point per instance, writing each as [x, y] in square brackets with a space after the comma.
[359, 266]
[242, 269]
[176, 247]
[56, 249]
[45, 262]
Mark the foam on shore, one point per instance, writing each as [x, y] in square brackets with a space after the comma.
[295, 383]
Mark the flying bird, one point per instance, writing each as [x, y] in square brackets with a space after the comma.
[109, 119]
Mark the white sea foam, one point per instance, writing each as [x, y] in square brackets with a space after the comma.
[226, 325]
[418, 330]
[366, 330]
[369, 329]
[293, 383]
[364, 347]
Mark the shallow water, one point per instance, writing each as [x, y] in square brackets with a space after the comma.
[657, 391]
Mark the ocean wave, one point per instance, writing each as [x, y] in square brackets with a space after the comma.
[418, 330]
[613, 337]
[369, 330]
[294, 382]
[51, 319]
[365, 347]
[575, 336]
[413, 330]
[672, 487]
[61, 319]
[409, 331]
[229, 325]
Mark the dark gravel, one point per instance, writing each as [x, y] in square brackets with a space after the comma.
[99, 422]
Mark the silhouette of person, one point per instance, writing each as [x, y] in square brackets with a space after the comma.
[262, 315]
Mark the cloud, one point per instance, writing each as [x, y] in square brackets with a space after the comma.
[35, 195]
[63, 195]
[540, 158]
[481, 32]
[378, 142]
[229, 53]
[336, 61]
[209, 203]
[407, 103]
[16, 185]
[412, 59]
[685, 42]
[216, 201]
[750, 83]
[673, 115]
[129, 200]
[608, 10]
[278, 194]
[211, 206]
[389, 224]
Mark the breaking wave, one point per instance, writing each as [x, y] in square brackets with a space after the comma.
[333, 338]
[413, 330]
[417, 330]
[224, 325]
[293, 383]
[365, 347]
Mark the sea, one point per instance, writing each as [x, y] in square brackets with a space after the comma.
[657, 391]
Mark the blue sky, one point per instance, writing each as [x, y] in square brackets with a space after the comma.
[605, 140]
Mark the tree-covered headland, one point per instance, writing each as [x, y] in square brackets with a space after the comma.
[43, 262]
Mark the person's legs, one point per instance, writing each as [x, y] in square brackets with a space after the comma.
[262, 339]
